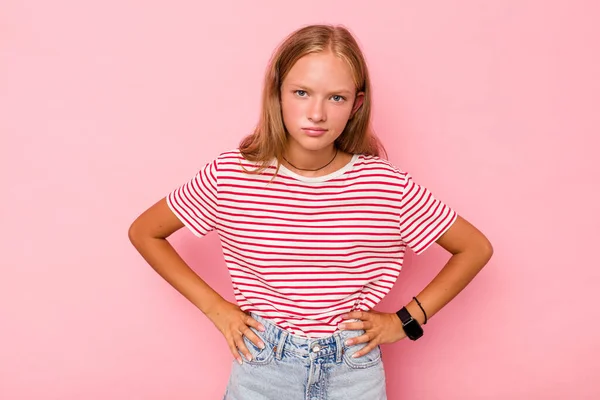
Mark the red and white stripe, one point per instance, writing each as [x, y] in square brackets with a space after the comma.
[303, 251]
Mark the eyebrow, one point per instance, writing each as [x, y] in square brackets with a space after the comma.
[346, 91]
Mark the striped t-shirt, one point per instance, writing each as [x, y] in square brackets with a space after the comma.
[301, 251]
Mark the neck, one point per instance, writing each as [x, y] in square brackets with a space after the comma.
[314, 163]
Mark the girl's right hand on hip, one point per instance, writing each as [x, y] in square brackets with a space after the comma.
[234, 324]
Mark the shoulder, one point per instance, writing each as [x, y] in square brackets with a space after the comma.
[233, 161]
[228, 157]
[376, 166]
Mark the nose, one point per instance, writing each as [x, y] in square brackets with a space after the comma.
[316, 112]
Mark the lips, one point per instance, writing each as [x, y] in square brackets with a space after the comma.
[314, 131]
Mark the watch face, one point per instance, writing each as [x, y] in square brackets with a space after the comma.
[411, 327]
[413, 330]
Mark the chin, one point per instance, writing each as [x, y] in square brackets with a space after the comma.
[313, 143]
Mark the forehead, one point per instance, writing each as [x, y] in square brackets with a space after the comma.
[321, 70]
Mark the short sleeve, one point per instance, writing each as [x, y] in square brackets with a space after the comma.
[423, 217]
[195, 203]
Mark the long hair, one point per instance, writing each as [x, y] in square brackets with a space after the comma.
[269, 139]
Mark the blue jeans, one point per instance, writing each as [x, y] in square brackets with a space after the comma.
[291, 367]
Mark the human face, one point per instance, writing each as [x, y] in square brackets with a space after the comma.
[318, 96]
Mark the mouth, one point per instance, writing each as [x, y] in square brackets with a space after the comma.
[314, 131]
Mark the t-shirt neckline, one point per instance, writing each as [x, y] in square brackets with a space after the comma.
[284, 170]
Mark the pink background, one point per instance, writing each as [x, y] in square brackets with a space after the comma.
[105, 106]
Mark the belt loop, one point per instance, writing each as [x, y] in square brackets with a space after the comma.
[280, 344]
[339, 348]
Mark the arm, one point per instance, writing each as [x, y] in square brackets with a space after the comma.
[148, 234]
[471, 251]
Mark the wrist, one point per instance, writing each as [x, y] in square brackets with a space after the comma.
[410, 325]
[415, 311]
[215, 306]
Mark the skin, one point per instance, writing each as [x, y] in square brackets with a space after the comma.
[317, 92]
[470, 250]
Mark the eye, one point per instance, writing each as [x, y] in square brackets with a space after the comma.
[337, 98]
[300, 93]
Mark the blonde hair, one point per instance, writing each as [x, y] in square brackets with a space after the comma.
[269, 138]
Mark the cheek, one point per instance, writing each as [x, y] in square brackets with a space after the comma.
[340, 116]
[291, 111]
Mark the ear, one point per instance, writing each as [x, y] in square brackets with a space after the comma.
[358, 101]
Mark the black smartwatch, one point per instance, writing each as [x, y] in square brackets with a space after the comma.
[411, 326]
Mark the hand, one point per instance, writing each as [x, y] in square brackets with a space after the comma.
[379, 328]
[233, 324]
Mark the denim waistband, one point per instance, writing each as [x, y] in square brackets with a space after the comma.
[283, 341]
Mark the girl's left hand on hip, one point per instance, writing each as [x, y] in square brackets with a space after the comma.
[379, 328]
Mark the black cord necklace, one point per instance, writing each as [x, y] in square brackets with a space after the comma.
[317, 169]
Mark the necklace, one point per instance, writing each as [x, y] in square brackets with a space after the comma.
[317, 169]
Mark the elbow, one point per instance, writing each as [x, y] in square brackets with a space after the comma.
[479, 249]
[140, 231]
[486, 249]
[135, 233]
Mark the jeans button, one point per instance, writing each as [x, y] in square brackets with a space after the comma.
[316, 348]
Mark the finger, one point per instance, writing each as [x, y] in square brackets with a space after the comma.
[242, 347]
[356, 315]
[365, 350]
[352, 326]
[358, 339]
[234, 351]
[253, 337]
[254, 323]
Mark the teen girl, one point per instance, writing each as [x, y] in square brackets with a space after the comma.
[314, 225]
